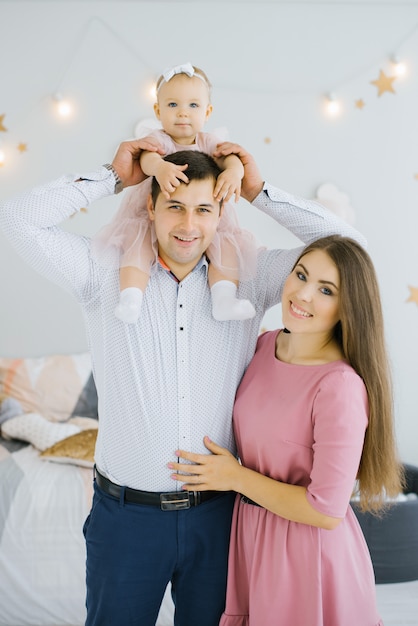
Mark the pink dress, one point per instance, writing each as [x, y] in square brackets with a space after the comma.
[130, 240]
[303, 425]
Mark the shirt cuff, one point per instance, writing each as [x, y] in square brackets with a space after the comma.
[94, 185]
[101, 174]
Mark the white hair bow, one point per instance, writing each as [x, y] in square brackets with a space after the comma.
[186, 68]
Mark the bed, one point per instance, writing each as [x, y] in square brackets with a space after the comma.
[48, 421]
[393, 537]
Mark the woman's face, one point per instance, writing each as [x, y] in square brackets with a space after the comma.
[310, 301]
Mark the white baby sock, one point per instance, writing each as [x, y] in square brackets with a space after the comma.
[129, 306]
[225, 304]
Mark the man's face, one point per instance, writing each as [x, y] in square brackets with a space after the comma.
[185, 224]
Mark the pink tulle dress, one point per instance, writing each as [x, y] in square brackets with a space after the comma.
[302, 425]
[130, 240]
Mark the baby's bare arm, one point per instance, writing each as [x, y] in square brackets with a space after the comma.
[228, 183]
[168, 175]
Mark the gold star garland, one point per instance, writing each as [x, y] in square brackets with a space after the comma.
[413, 296]
[22, 147]
[384, 83]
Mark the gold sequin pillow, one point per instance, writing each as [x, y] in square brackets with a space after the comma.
[77, 449]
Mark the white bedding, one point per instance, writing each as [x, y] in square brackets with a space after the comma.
[43, 506]
[42, 552]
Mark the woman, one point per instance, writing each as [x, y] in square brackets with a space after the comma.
[313, 413]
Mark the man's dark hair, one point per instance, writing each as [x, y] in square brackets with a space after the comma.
[201, 166]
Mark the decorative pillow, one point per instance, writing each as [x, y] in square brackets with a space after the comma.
[56, 386]
[84, 423]
[77, 449]
[38, 431]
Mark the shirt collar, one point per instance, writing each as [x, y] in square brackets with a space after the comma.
[202, 263]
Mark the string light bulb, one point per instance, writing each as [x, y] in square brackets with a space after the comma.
[399, 67]
[332, 105]
[153, 91]
[63, 106]
[2, 157]
[149, 90]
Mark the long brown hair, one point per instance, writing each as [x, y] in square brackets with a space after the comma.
[360, 334]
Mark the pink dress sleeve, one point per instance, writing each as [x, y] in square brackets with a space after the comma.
[340, 418]
[164, 140]
[207, 142]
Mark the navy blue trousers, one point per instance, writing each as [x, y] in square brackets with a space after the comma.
[134, 550]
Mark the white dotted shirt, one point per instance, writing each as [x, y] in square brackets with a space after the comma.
[168, 380]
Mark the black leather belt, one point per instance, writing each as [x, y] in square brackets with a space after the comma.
[248, 501]
[170, 501]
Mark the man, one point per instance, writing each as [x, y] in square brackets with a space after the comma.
[163, 383]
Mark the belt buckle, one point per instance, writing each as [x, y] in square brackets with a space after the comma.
[174, 501]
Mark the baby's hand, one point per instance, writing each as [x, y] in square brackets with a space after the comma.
[227, 185]
[169, 177]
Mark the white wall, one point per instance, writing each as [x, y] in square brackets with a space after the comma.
[270, 64]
